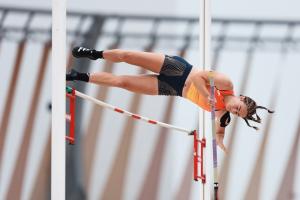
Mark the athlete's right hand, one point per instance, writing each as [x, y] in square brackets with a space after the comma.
[219, 140]
[211, 101]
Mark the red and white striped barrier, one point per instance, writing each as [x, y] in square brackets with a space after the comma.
[135, 116]
[198, 158]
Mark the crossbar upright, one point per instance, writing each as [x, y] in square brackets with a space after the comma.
[204, 125]
[58, 147]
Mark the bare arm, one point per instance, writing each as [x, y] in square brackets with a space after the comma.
[222, 82]
[220, 131]
[201, 81]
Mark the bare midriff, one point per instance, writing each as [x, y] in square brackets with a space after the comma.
[188, 82]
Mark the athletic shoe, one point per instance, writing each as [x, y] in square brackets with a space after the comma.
[72, 75]
[81, 52]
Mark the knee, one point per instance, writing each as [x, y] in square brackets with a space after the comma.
[124, 56]
[122, 82]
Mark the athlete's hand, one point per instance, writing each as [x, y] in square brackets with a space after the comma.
[219, 140]
[211, 101]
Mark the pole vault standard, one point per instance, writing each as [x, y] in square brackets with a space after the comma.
[204, 125]
[58, 148]
[198, 153]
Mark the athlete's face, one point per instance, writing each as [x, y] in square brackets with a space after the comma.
[237, 107]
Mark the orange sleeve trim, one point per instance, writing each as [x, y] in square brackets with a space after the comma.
[226, 92]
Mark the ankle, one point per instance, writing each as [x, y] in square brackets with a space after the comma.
[84, 77]
[99, 54]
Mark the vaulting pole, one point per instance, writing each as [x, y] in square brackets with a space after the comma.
[213, 133]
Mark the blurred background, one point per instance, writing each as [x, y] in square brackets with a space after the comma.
[255, 42]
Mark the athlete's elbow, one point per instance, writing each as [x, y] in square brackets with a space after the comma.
[199, 76]
[220, 133]
[227, 84]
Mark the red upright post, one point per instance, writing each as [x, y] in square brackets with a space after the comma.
[198, 159]
[72, 98]
[195, 156]
[202, 175]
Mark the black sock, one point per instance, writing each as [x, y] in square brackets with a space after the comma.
[99, 54]
[75, 75]
[83, 77]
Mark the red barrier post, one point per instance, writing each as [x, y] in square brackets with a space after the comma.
[199, 159]
[72, 99]
[195, 156]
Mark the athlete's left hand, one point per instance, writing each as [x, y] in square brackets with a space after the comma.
[219, 140]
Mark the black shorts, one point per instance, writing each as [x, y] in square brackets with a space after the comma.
[172, 76]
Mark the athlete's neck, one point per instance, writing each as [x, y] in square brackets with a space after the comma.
[228, 98]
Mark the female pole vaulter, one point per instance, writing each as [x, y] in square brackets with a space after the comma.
[172, 76]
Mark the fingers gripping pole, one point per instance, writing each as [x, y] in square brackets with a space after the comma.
[215, 159]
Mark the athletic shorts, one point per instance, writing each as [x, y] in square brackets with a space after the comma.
[172, 76]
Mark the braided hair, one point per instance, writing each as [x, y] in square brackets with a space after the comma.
[251, 110]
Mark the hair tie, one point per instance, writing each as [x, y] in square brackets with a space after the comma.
[261, 107]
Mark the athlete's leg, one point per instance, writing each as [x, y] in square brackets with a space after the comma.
[144, 84]
[147, 60]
